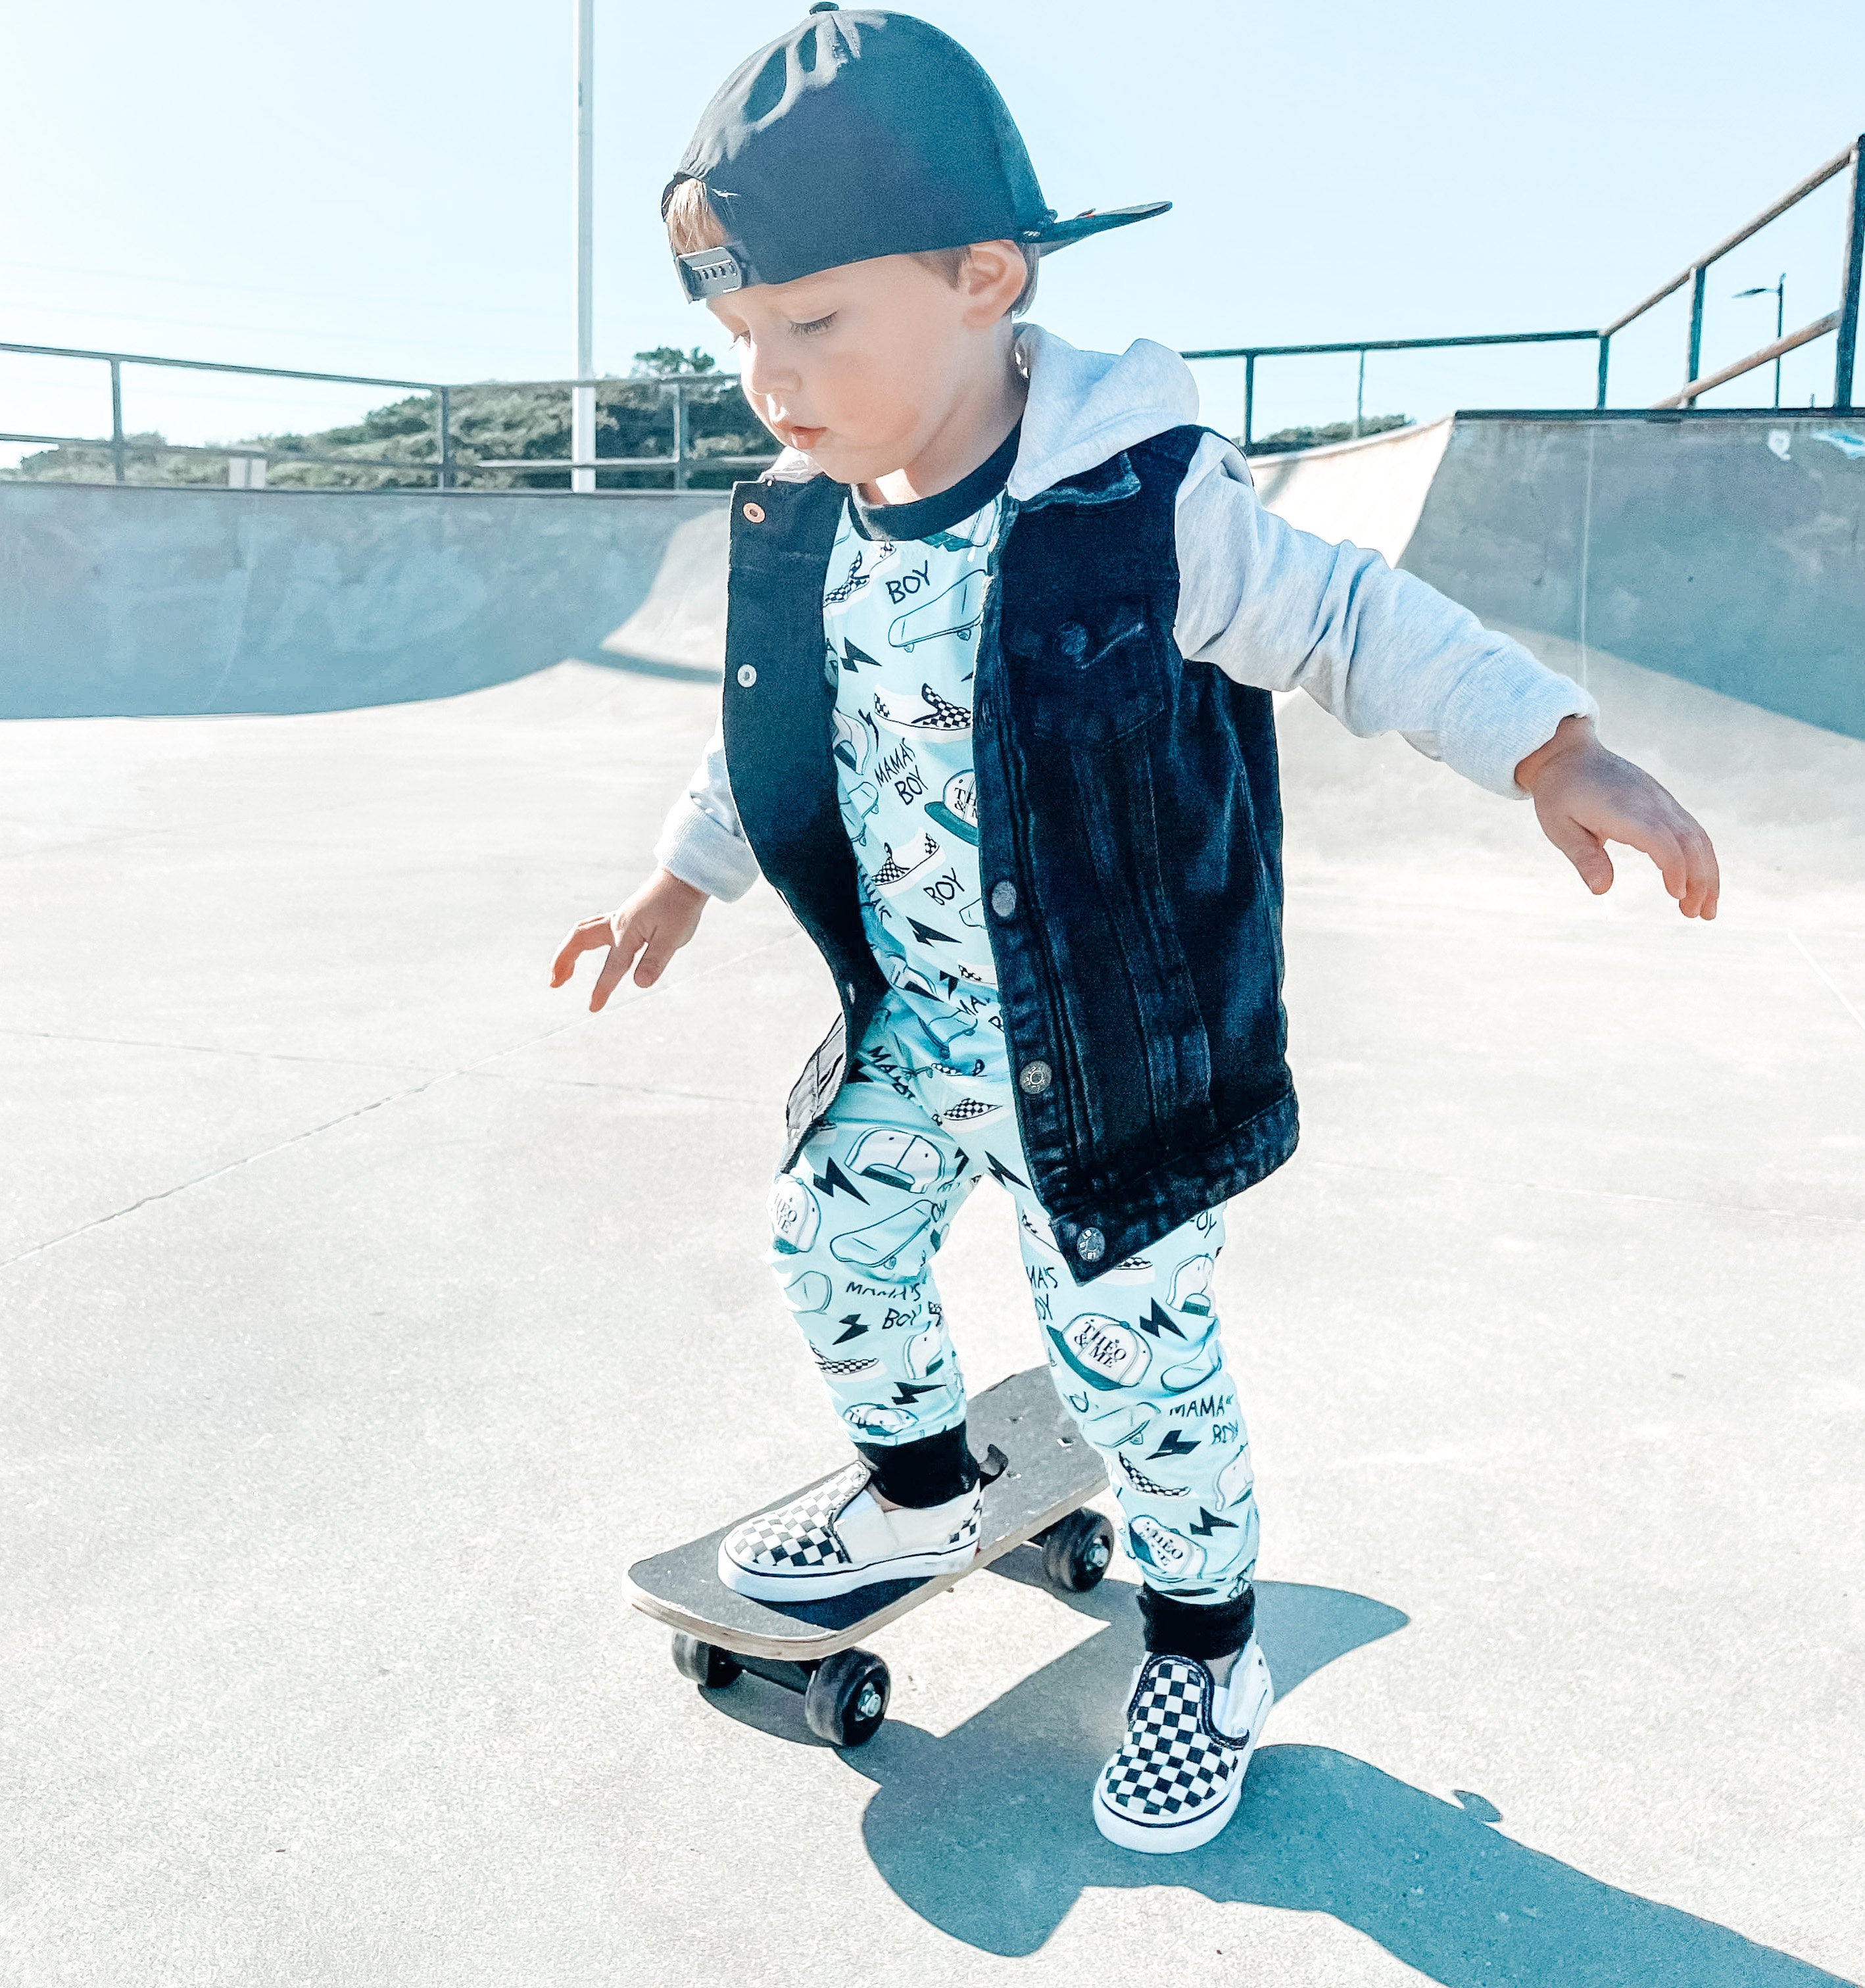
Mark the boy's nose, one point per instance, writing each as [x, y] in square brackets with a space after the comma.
[762, 381]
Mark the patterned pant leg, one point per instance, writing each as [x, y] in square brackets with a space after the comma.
[1137, 1356]
[854, 1223]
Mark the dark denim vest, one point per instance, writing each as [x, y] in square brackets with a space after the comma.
[1130, 840]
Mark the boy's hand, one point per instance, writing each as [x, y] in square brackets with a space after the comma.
[1585, 796]
[656, 922]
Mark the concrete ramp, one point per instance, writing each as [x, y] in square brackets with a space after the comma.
[1370, 491]
[1727, 549]
[681, 627]
[139, 601]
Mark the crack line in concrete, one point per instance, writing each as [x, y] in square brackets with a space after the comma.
[212, 1048]
[630, 1089]
[364, 1110]
[1828, 979]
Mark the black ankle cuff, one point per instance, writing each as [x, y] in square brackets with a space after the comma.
[1198, 1630]
[923, 1473]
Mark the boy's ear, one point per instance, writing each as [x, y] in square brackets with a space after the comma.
[991, 280]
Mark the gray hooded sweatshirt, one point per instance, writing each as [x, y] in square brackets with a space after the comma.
[1273, 607]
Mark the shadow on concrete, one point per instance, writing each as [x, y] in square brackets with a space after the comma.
[985, 1833]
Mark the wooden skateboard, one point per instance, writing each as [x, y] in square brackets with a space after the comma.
[1049, 1469]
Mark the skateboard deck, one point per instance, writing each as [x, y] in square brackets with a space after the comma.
[1050, 1469]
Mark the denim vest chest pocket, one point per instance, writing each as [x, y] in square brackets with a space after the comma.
[1088, 683]
[1092, 697]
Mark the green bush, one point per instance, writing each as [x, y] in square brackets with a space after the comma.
[1286, 439]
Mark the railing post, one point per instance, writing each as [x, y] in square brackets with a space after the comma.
[1699, 276]
[1360, 396]
[116, 417]
[679, 435]
[1249, 398]
[444, 475]
[1605, 347]
[1852, 276]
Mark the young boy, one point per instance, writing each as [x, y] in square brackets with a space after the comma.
[1003, 626]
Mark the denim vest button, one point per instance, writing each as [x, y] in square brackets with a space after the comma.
[747, 676]
[753, 514]
[1035, 1078]
[1004, 900]
[1090, 1246]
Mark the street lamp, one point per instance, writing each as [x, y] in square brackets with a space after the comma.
[1778, 293]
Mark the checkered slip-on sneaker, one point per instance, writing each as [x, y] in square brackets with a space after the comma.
[835, 1538]
[1176, 1781]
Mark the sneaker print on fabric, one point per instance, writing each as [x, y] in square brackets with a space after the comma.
[933, 713]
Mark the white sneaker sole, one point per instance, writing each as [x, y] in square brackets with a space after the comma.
[825, 1583]
[1164, 1838]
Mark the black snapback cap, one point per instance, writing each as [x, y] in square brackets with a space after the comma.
[861, 134]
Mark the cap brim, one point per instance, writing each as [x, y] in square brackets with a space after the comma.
[1059, 233]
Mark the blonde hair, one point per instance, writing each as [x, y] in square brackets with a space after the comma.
[694, 222]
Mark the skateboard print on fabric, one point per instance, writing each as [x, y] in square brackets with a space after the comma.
[901, 622]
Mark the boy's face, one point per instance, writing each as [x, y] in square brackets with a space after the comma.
[864, 366]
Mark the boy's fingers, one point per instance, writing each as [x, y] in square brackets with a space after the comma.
[1705, 879]
[591, 933]
[654, 957]
[621, 957]
[1583, 849]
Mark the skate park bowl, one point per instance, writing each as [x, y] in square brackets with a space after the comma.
[1728, 549]
[369, 1305]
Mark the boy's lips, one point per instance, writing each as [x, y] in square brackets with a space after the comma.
[804, 439]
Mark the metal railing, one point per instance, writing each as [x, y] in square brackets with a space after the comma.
[682, 459]
[444, 466]
[1249, 354]
[1844, 321]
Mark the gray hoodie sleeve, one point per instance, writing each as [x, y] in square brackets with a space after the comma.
[1274, 607]
[700, 841]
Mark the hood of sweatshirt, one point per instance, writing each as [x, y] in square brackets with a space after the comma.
[1083, 406]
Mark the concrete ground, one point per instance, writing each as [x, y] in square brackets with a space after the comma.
[368, 1308]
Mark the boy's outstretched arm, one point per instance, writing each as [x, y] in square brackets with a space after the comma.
[655, 924]
[1585, 796]
[702, 854]
[1272, 606]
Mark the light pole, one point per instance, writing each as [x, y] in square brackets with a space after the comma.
[1778, 293]
[583, 399]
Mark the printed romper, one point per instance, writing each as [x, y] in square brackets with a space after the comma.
[926, 1111]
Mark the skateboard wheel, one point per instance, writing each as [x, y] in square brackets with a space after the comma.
[704, 1663]
[846, 1698]
[1077, 1551]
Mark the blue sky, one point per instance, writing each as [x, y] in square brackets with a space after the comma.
[385, 187]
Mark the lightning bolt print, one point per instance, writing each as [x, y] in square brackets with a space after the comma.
[832, 1180]
[1158, 1321]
